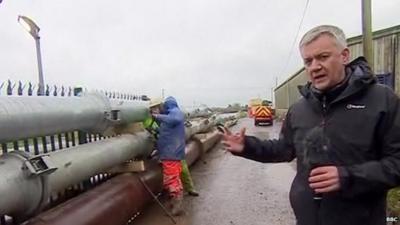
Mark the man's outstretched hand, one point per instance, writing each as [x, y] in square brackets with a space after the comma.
[233, 142]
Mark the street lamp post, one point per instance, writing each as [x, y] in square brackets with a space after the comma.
[34, 29]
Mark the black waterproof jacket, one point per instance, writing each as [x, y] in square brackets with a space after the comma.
[358, 131]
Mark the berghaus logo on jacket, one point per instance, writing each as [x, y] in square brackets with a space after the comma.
[354, 106]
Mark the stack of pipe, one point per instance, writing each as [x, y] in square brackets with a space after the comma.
[22, 192]
[116, 201]
[27, 181]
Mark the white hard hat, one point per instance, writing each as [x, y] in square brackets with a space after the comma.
[155, 102]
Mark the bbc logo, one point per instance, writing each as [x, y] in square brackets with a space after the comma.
[392, 219]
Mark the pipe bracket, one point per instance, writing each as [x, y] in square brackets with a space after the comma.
[39, 165]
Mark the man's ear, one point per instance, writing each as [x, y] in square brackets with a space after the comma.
[345, 56]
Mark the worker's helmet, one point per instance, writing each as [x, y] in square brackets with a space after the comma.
[155, 102]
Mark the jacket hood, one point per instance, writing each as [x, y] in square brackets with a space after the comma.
[170, 103]
[359, 76]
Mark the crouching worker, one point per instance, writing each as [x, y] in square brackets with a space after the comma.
[171, 150]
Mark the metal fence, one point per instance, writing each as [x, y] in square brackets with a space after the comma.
[45, 144]
[30, 89]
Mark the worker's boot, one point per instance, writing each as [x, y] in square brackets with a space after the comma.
[177, 208]
[193, 193]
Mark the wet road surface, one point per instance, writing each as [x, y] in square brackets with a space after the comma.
[234, 190]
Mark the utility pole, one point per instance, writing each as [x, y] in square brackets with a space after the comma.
[162, 93]
[367, 32]
[272, 96]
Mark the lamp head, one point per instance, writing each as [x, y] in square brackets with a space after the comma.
[29, 26]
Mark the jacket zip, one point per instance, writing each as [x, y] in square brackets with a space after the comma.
[324, 111]
[324, 114]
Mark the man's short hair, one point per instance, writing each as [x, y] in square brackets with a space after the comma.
[330, 30]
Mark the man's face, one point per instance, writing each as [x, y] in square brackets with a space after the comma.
[155, 110]
[324, 62]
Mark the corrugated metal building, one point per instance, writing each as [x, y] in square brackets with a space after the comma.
[386, 65]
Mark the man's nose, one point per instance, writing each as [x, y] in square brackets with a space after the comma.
[315, 66]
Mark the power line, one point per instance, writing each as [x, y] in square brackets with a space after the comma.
[295, 38]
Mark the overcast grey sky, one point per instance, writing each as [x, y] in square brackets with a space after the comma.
[214, 52]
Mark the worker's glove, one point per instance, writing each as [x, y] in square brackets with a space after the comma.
[154, 153]
[188, 123]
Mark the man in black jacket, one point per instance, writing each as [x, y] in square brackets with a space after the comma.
[344, 132]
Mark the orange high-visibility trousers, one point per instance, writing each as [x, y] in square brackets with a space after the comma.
[171, 177]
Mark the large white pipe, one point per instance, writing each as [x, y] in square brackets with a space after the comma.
[24, 117]
[24, 190]
[198, 126]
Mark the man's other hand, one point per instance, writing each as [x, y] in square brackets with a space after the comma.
[233, 142]
[155, 115]
[324, 179]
